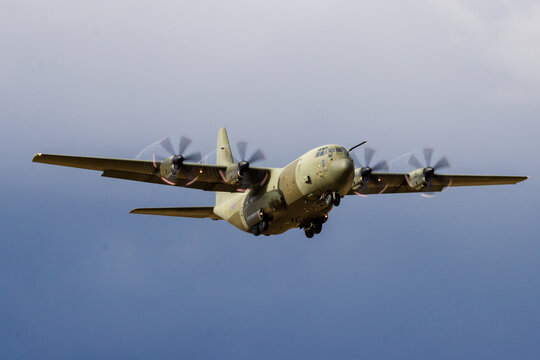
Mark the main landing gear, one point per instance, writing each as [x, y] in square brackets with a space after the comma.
[316, 226]
[261, 226]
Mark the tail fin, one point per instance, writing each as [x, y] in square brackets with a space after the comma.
[224, 157]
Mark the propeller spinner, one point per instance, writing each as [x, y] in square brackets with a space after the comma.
[427, 168]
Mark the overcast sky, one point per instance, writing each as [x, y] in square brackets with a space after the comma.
[393, 276]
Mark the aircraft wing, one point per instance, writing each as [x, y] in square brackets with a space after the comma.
[392, 183]
[197, 176]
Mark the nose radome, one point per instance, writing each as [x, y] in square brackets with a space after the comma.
[341, 174]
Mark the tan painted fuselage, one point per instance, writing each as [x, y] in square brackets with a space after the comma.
[297, 193]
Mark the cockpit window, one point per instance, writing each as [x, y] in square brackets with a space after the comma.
[331, 150]
[322, 151]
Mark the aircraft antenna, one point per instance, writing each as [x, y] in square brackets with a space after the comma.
[355, 146]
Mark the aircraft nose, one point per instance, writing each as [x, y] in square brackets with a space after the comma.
[341, 175]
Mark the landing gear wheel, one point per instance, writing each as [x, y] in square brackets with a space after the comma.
[255, 230]
[317, 227]
[328, 199]
[309, 233]
[263, 225]
[336, 200]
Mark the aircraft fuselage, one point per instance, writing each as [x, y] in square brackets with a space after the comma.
[298, 195]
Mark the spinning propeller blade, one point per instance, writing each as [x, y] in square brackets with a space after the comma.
[244, 163]
[159, 150]
[428, 169]
[366, 168]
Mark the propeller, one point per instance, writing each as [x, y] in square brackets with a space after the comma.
[428, 155]
[178, 156]
[163, 149]
[428, 168]
[366, 169]
[244, 163]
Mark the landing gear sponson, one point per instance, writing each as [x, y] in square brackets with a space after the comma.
[261, 226]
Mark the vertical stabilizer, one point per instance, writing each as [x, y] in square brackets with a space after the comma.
[224, 157]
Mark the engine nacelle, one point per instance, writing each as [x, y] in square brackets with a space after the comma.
[167, 169]
[256, 207]
[232, 174]
[419, 178]
[361, 176]
[173, 166]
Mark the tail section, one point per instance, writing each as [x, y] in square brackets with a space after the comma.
[224, 157]
[192, 212]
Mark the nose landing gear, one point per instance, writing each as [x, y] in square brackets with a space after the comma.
[337, 199]
[332, 198]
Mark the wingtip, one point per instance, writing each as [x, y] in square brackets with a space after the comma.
[137, 211]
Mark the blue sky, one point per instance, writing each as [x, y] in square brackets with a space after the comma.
[400, 276]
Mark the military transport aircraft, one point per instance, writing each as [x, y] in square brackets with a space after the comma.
[271, 201]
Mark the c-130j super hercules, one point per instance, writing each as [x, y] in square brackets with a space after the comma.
[271, 201]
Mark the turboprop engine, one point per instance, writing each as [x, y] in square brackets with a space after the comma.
[171, 165]
[238, 172]
[235, 173]
[257, 208]
[420, 177]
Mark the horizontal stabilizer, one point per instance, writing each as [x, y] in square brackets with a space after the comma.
[191, 212]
